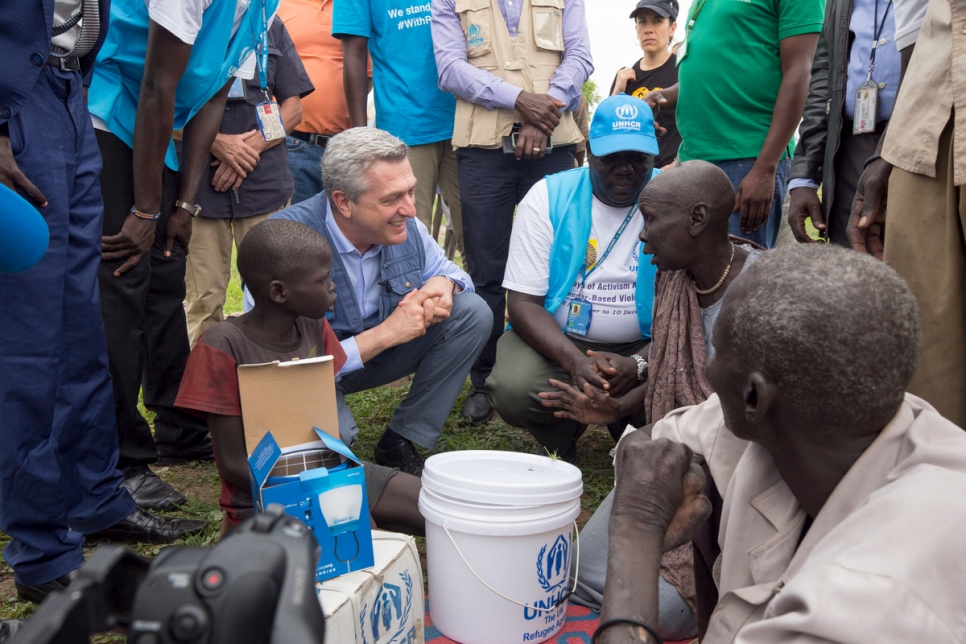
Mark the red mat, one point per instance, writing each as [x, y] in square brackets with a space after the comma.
[580, 626]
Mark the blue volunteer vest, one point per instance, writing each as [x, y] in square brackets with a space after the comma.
[400, 271]
[571, 196]
[215, 57]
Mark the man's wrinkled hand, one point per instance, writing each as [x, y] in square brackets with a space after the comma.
[624, 375]
[592, 370]
[233, 150]
[803, 203]
[132, 243]
[414, 314]
[225, 177]
[659, 488]
[177, 229]
[590, 406]
[443, 303]
[531, 143]
[656, 100]
[540, 110]
[866, 227]
[12, 177]
[754, 198]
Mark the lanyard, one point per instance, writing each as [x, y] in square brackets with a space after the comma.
[583, 272]
[877, 33]
[694, 16]
[261, 48]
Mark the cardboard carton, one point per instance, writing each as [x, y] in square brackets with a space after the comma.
[291, 421]
[382, 605]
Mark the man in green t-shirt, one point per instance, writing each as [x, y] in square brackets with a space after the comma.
[743, 79]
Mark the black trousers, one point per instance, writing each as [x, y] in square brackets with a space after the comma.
[854, 151]
[147, 337]
[491, 185]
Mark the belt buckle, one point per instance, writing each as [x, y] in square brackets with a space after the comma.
[69, 63]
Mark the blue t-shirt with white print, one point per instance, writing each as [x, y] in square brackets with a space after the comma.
[409, 103]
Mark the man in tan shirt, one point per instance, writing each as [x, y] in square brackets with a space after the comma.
[924, 242]
[843, 511]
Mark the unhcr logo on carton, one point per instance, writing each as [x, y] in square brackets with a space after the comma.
[626, 118]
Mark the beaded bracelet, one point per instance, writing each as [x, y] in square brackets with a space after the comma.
[144, 215]
[626, 620]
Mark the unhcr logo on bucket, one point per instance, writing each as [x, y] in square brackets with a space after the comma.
[553, 571]
[627, 118]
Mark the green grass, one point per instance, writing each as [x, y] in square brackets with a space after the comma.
[372, 410]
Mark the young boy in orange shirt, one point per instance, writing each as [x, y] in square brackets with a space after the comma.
[286, 267]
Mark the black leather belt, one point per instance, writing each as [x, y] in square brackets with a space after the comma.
[66, 63]
[312, 139]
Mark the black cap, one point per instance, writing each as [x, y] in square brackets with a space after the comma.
[666, 8]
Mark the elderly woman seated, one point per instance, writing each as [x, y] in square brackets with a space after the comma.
[686, 211]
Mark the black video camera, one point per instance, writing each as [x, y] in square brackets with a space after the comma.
[257, 586]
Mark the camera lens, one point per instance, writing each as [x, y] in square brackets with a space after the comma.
[188, 623]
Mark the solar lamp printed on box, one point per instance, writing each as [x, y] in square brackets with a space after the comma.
[297, 459]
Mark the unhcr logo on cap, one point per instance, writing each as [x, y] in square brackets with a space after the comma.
[626, 112]
[626, 118]
[622, 123]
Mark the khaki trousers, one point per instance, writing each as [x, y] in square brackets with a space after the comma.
[208, 268]
[925, 244]
[434, 164]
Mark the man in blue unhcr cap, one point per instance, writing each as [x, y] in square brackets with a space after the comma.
[580, 311]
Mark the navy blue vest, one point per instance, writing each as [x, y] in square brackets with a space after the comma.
[401, 269]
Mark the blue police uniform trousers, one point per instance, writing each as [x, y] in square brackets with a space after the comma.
[58, 438]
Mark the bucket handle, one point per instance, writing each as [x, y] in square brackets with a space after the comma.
[513, 601]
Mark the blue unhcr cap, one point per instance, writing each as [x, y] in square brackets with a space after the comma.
[622, 123]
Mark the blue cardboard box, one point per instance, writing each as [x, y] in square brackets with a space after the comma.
[331, 501]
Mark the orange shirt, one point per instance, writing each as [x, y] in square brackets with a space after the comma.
[309, 23]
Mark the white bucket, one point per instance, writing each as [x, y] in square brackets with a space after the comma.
[503, 520]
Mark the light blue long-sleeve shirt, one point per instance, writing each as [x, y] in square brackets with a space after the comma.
[458, 76]
[886, 69]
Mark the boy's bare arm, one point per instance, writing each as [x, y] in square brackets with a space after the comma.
[228, 441]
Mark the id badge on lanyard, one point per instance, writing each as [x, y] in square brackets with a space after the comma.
[267, 113]
[866, 102]
[867, 95]
[578, 319]
[683, 46]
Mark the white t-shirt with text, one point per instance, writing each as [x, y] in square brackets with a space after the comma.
[610, 287]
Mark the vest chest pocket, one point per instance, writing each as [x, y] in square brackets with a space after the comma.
[475, 19]
[548, 24]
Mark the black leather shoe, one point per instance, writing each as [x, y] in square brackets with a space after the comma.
[201, 453]
[151, 493]
[8, 628]
[477, 407]
[38, 593]
[401, 454]
[144, 527]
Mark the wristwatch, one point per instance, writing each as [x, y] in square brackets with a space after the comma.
[641, 368]
[192, 209]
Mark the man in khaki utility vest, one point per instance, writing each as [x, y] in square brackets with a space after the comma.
[516, 68]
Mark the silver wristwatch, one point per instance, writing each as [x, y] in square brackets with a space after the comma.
[192, 209]
[641, 368]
